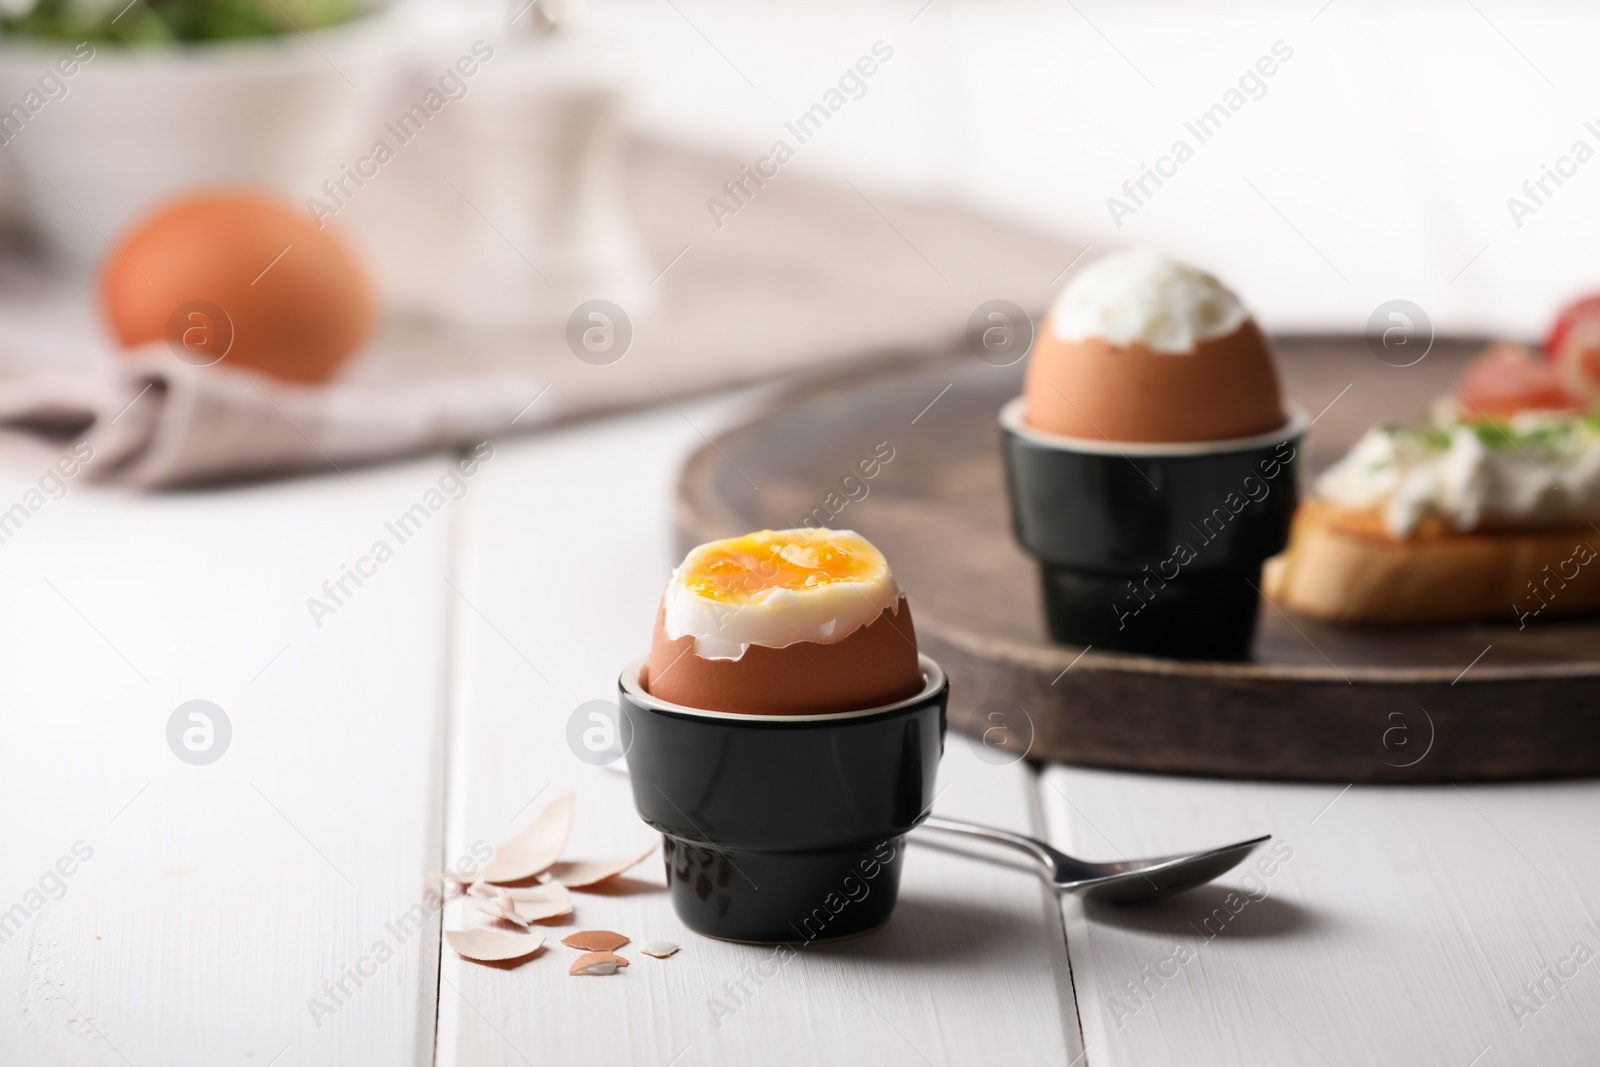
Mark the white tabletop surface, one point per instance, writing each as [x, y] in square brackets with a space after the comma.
[211, 909]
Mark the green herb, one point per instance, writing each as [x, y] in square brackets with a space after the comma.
[150, 22]
[1433, 437]
[1498, 435]
[1493, 434]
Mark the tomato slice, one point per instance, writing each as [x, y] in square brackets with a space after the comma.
[1585, 310]
[1574, 347]
[1507, 378]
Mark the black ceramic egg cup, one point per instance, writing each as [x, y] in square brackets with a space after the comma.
[1152, 548]
[784, 829]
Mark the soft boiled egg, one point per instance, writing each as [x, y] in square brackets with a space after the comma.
[784, 622]
[1140, 347]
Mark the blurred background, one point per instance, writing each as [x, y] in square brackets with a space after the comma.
[746, 189]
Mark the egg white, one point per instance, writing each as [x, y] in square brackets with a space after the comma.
[776, 618]
[1140, 295]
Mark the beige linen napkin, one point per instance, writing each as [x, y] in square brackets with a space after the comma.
[810, 275]
[154, 420]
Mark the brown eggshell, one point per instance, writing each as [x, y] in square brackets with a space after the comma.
[238, 278]
[608, 962]
[595, 940]
[874, 665]
[1226, 387]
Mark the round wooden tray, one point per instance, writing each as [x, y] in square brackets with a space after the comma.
[1315, 702]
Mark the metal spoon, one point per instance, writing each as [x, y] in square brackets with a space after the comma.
[1123, 880]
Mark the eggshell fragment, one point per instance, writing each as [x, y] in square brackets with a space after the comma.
[545, 901]
[499, 911]
[493, 946]
[534, 848]
[597, 963]
[659, 949]
[458, 878]
[578, 875]
[538, 891]
[595, 940]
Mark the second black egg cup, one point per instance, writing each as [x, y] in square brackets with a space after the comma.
[1152, 548]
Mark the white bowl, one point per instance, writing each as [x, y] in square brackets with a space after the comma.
[139, 125]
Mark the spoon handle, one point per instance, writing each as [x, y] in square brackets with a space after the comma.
[1042, 853]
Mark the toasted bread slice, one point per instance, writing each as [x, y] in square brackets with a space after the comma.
[1344, 566]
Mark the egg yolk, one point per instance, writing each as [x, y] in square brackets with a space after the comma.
[743, 569]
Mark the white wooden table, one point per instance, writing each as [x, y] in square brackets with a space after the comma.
[210, 909]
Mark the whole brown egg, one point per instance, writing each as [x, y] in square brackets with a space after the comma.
[239, 278]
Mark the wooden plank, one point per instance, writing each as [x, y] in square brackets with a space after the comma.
[567, 547]
[1397, 925]
[207, 904]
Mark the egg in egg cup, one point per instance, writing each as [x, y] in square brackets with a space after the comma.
[1151, 462]
[786, 736]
